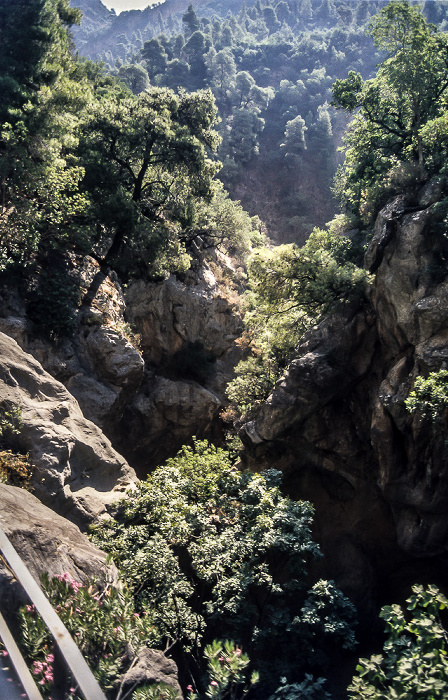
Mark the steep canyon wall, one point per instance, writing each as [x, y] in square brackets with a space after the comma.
[337, 426]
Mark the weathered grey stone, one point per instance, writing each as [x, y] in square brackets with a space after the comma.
[152, 666]
[98, 401]
[333, 356]
[431, 192]
[15, 327]
[77, 472]
[172, 314]
[383, 232]
[161, 418]
[190, 323]
[47, 543]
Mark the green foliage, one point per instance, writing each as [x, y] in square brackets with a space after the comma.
[223, 224]
[15, 467]
[397, 108]
[227, 672]
[218, 552]
[429, 396]
[254, 380]
[290, 289]
[104, 624]
[53, 298]
[145, 159]
[10, 421]
[155, 691]
[414, 663]
[309, 689]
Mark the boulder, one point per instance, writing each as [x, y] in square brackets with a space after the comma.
[77, 472]
[161, 419]
[178, 336]
[173, 314]
[47, 543]
[152, 666]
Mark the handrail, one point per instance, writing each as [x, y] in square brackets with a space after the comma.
[72, 655]
[18, 662]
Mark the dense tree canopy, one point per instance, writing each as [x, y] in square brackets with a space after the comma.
[414, 663]
[409, 91]
[86, 166]
[216, 552]
[145, 157]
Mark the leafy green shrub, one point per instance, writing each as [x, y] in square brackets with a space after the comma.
[15, 468]
[309, 689]
[429, 396]
[104, 625]
[414, 663]
[227, 672]
[291, 289]
[10, 421]
[216, 552]
[255, 378]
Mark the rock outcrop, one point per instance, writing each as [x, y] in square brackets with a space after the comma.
[337, 425]
[187, 333]
[47, 543]
[152, 666]
[76, 471]
[145, 364]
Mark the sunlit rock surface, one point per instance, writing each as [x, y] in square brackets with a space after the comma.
[77, 472]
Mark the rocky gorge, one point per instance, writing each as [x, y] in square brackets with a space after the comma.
[147, 368]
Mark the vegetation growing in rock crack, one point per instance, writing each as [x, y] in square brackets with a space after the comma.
[289, 290]
[398, 135]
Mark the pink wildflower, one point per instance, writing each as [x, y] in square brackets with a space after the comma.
[238, 651]
[189, 688]
[4, 652]
[214, 683]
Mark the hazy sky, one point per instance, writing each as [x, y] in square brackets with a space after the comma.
[120, 5]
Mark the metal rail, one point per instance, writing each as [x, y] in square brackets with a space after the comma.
[70, 652]
[18, 662]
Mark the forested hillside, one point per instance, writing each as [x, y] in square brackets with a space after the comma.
[270, 66]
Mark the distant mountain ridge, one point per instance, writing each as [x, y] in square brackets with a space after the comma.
[100, 26]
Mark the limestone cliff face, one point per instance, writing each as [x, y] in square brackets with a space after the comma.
[188, 332]
[149, 397]
[336, 423]
[77, 472]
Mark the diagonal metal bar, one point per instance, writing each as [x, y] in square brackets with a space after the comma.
[18, 662]
[73, 657]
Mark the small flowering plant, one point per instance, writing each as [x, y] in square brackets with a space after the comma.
[228, 673]
[103, 624]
